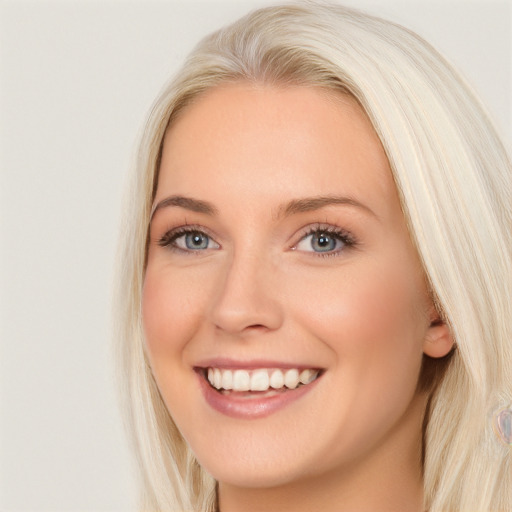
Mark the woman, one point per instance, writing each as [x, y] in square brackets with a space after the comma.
[315, 301]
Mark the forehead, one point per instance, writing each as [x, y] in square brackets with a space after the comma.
[271, 141]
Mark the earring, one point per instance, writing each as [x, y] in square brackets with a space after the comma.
[503, 425]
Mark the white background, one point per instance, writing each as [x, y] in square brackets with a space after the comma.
[76, 79]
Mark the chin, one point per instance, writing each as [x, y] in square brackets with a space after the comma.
[254, 474]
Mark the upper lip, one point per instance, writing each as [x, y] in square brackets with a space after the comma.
[252, 364]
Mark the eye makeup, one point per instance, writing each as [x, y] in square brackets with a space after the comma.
[319, 239]
[188, 238]
[325, 240]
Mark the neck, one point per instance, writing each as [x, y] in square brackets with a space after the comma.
[388, 479]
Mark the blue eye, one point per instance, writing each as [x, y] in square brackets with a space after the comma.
[193, 241]
[188, 240]
[324, 241]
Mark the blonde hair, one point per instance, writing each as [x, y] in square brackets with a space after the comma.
[453, 177]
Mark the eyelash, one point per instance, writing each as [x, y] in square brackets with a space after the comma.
[168, 240]
[340, 235]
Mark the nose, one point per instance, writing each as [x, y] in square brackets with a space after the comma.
[247, 298]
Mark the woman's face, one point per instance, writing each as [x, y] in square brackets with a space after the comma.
[278, 251]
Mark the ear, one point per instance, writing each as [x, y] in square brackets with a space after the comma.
[438, 340]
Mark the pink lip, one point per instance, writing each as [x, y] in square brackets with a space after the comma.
[236, 405]
[253, 364]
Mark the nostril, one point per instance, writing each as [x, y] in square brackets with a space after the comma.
[256, 328]
[252, 327]
[245, 308]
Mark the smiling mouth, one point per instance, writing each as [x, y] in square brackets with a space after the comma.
[261, 380]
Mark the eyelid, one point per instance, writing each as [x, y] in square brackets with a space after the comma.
[345, 236]
[341, 234]
[171, 235]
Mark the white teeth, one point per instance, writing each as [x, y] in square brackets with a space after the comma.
[217, 378]
[227, 379]
[277, 379]
[259, 380]
[241, 381]
[291, 379]
[307, 376]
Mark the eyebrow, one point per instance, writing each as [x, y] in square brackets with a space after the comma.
[194, 205]
[309, 204]
[303, 205]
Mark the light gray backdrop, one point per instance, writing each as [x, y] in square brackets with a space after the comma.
[76, 79]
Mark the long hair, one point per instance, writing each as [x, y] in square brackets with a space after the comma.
[453, 176]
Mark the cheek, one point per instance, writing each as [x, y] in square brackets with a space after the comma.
[373, 322]
[171, 311]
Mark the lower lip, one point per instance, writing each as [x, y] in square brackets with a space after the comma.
[251, 407]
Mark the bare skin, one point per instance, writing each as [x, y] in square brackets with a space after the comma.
[394, 469]
[278, 241]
